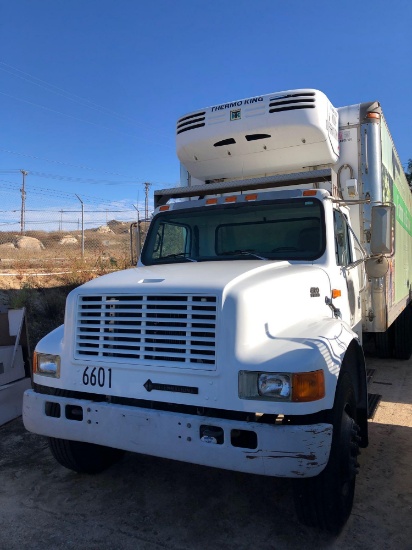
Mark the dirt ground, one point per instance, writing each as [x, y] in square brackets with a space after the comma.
[145, 503]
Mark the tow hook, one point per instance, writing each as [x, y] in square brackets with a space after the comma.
[336, 311]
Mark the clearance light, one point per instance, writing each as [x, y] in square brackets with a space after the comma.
[308, 386]
[211, 201]
[163, 208]
[336, 293]
[309, 193]
[251, 197]
[373, 115]
[233, 198]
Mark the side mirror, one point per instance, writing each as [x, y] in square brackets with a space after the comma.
[382, 230]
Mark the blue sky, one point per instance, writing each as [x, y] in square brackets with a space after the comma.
[90, 90]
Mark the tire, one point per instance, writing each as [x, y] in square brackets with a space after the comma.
[325, 501]
[384, 343]
[402, 335]
[84, 458]
[81, 457]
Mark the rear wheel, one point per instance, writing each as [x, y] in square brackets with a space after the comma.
[325, 501]
[384, 343]
[85, 458]
[402, 335]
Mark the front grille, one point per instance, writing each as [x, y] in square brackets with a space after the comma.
[172, 330]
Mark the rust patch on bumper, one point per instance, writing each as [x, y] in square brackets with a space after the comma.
[310, 456]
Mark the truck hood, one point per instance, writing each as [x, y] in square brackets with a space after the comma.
[188, 276]
[295, 290]
[251, 295]
[190, 324]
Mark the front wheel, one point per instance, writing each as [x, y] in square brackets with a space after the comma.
[325, 501]
[84, 458]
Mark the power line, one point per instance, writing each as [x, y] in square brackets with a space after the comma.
[55, 193]
[82, 167]
[63, 163]
[69, 95]
[79, 119]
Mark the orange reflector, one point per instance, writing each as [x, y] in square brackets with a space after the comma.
[211, 201]
[231, 199]
[251, 197]
[309, 193]
[336, 293]
[166, 207]
[34, 362]
[308, 386]
[373, 115]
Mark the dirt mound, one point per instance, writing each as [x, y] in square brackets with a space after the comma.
[29, 242]
[104, 229]
[68, 239]
[7, 246]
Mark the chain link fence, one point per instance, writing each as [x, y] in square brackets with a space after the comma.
[44, 231]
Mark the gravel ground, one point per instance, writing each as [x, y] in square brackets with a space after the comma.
[147, 503]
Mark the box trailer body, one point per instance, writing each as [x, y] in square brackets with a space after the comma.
[236, 342]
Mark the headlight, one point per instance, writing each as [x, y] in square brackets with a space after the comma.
[282, 386]
[274, 385]
[46, 364]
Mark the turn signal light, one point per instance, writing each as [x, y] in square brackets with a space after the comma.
[34, 362]
[308, 386]
[336, 293]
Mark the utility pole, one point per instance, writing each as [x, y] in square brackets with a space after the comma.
[146, 200]
[23, 203]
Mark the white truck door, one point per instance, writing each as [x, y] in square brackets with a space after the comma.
[350, 304]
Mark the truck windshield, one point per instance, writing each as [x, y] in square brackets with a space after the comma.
[276, 230]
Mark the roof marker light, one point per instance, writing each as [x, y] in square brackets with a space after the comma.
[309, 193]
[233, 198]
[163, 208]
[251, 197]
[211, 201]
[373, 115]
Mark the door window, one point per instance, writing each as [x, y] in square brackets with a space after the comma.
[342, 239]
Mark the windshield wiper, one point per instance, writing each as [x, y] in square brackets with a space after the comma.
[242, 253]
[179, 255]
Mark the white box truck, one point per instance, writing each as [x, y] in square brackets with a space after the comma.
[237, 341]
